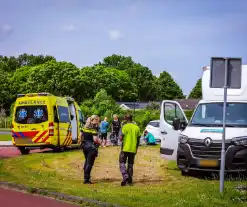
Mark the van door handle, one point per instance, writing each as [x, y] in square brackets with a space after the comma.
[163, 132]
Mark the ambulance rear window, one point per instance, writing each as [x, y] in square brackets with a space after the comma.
[31, 114]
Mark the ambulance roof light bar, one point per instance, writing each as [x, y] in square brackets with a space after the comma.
[34, 94]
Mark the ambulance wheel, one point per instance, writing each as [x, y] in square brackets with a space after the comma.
[184, 173]
[24, 151]
[58, 149]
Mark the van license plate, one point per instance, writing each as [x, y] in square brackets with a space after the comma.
[208, 163]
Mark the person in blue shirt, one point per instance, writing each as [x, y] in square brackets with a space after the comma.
[149, 138]
[103, 131]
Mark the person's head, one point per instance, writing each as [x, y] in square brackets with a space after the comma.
[92, 122]
[115, 117]
[145, 132]
[105, 119]
[128, 117]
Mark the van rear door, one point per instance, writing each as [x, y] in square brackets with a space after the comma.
[30, 124]
[65, 138]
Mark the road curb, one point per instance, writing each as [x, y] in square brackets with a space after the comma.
[6, 145]
[58, 196]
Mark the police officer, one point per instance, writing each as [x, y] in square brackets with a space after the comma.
[90, 144]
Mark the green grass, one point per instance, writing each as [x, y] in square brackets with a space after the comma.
[156, 182]
[5, 130]
[5, 137]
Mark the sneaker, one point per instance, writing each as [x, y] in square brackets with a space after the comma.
[87, 182]
[124, 182]
[130, 181]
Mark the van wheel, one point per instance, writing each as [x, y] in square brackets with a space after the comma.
[24, 151]
[184, 173]
[58, 149]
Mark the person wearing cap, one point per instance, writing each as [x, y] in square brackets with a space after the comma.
[149, 138]
[90, 144]
[130, 136]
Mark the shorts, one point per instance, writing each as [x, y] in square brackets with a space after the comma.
[104, 136]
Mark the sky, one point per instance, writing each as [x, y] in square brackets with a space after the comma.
[178, 36]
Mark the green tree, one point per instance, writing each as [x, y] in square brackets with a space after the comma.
[117, 83]
[197, 90]
[167, 88]
[140, 75]
[58, 78]
[4, 86]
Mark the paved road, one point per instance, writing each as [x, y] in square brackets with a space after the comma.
[10, 198]
[5, 132]
[7, 152]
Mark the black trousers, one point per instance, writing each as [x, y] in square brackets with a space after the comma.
[123, 158]
[90, 156]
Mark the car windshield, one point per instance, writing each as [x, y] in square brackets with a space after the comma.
[211, 114]
[31, 114]
[154, 124]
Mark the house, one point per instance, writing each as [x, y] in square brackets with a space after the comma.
[186, 104]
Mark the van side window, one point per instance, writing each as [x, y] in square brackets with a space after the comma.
[63, 114]
[171, 111]
[80, 116]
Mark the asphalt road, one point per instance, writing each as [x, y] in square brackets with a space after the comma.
[11, 198]
[5, 132]
[8, 152]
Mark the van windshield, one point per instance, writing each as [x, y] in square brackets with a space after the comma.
[31, 114]
[211, 114]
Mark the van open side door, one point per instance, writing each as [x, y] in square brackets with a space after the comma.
[171, 115]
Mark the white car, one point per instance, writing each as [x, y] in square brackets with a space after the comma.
[154, 128]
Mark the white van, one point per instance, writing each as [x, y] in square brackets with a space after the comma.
[196, 144]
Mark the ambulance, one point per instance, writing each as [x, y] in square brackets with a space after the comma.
[196, 144]
[42, 120]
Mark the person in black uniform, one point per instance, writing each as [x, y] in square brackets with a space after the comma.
[90, 144]
[116, 126]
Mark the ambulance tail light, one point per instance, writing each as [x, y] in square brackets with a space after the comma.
[51, 129]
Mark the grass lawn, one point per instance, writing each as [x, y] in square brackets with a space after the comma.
[156, 182]
[5, 130]
[5, 137]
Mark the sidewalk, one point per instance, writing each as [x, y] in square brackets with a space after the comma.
[6, 144]
[11, 198]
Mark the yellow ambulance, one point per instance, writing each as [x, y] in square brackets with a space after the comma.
[42, 120]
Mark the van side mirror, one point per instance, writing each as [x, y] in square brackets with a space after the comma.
[176, 124]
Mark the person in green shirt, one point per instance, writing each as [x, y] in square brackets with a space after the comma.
[130, 136]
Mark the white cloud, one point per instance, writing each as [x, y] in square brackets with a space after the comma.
[115, 34]
[5, 28]
[69, 27]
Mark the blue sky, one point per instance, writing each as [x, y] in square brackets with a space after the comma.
[179, 36]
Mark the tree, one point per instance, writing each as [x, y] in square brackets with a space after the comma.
[117, 83]
[10, 64]
[196, 92]
[58, 78]
[117, 61]
[4, 86]
[167, 88]
[102, 105]
[140, 75]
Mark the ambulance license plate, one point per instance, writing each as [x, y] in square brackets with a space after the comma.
[208, 163]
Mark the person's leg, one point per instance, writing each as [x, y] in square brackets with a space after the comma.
[105, 139]
[122, 162]
[85, 155]
[91, 155]
[131, 159]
